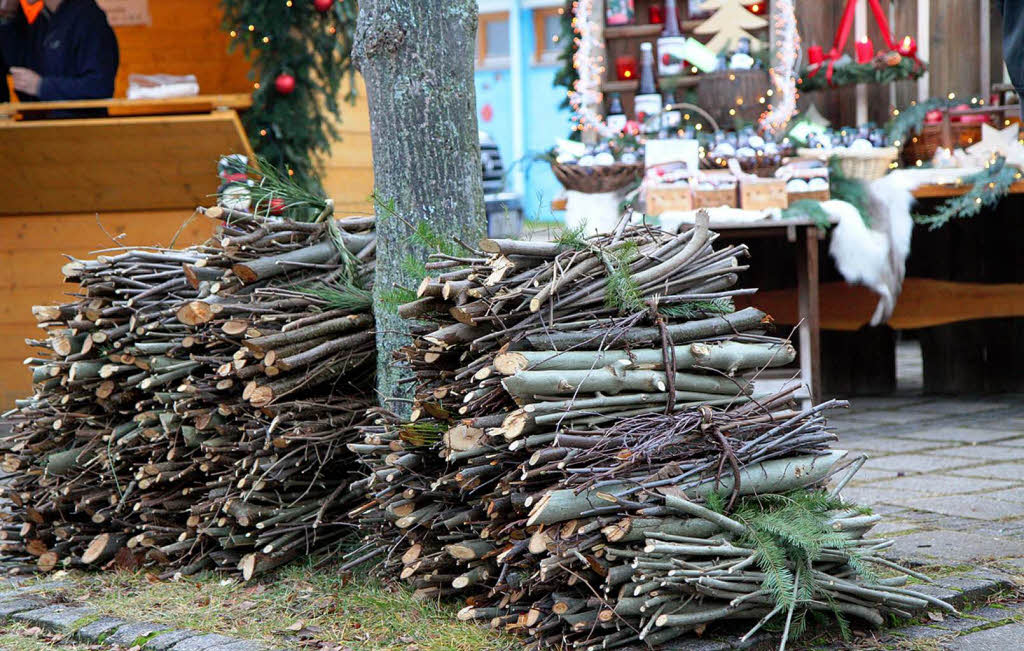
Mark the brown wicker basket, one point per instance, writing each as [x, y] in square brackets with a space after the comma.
[592, 179]
[863, 165]
[921, 146]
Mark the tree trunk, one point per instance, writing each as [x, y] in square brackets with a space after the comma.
[418, 62]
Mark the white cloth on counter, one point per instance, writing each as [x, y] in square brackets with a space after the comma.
[162, 86]
[671, 220]
[596, 212]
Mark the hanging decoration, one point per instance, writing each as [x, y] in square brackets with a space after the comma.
[785, 61]
[284, 84]
[896, 63]
[729, 23]
[301, 52]
[585, 95]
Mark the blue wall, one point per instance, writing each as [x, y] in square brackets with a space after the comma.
[543, 119]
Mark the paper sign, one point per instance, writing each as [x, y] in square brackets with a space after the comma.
[673, 150]
[126, 12]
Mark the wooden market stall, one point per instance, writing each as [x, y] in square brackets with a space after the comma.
[72, 187]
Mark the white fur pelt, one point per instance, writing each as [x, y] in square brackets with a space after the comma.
[876, 256]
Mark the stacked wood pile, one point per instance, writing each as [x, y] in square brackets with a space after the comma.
[191, 407]
[586, 444]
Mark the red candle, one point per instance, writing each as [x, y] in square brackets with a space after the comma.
[815, 54]
[625, 67]
[908, 47]
[654, 15]
[865, 50]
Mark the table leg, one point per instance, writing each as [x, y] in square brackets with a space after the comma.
[810, 314]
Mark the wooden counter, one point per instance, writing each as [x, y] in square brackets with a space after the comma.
[72, 187]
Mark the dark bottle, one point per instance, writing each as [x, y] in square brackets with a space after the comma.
[671, 44]
[647, 101]
[671, 117]
[616, 116]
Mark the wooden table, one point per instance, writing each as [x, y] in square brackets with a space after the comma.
[805, 234]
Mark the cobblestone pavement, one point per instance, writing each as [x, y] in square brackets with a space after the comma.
[948, 475]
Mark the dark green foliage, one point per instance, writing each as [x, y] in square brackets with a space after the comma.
[911, 118]
[844, 188]
[988, 187]
[808, 209]
[622, 291]
[698, 309]
[316, 49]
[397, 296]
[301, 203]
[789, 533]
[567, 75]
[573, 238]
[342, 295]
[861, 73]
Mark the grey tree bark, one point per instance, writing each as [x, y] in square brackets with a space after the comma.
[417, 59]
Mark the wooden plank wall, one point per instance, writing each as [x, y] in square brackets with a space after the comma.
[185, 38]
[30, 261]
[954, 52]
[348, 172]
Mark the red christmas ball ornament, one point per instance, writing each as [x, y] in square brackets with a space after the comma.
[323, 5]
[277, 206]
[933, 117]
[284, 84]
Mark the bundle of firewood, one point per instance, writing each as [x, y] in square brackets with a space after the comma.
[191, 407]
[587, 462]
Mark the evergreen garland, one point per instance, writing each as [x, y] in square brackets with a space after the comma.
[877, 71]
[292, 37]
[988, 187]
[912, 118]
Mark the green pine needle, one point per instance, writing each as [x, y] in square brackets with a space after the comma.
[789, 533]
[698, 309]
[573, 238]
[345, 296]
[300, 203]
[911, 118]
[622, 292]
[852, 191]
[393, 298]
[988, 187]
[810, 210]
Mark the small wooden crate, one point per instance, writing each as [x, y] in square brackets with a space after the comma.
[816, 195]
[669, 197]
[715, 198]
[763, 194]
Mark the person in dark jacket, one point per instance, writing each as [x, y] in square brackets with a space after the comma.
[69, 52]
[1013, 43]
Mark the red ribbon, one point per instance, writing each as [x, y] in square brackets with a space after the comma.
[843, 34]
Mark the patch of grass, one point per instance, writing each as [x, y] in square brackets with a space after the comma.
[20, 637]
[294, 605]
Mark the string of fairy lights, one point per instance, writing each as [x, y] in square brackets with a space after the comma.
[786, 51]
[585, 96]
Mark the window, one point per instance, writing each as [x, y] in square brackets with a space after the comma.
[547, 30]
[492, 41]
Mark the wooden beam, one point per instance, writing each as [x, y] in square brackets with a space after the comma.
[197, 103]
[924, 303]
